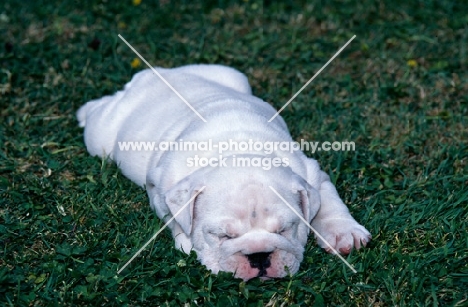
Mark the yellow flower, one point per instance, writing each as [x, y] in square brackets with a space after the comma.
[136, 2]
[121, 25]
[412, 63]
[135, 63]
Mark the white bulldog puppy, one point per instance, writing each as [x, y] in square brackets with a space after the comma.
[238, 222]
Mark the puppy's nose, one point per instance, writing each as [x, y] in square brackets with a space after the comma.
[260, 261]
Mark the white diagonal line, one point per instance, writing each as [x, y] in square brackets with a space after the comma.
[316, 233]
[161, 77]
[159, 231]
[311, 79]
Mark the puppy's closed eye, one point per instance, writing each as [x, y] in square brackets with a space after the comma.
[222, 236]
[286, 229]
[225, 237]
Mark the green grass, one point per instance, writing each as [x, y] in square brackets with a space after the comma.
[68, 221]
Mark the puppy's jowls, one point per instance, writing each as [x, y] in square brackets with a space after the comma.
[237, 223]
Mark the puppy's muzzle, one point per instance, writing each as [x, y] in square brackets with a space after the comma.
[260, 261]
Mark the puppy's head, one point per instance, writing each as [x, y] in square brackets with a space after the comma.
[246, 221]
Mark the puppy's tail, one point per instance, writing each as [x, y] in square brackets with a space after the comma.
[81, 115]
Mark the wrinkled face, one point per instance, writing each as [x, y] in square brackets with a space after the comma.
[248, 230]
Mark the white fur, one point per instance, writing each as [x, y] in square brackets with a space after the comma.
[235, 200]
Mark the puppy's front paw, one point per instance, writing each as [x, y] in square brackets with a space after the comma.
[341, 234]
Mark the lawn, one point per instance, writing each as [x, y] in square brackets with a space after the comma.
[69, 221]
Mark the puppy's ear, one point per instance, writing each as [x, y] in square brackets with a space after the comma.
[184, 193]
[309, 197]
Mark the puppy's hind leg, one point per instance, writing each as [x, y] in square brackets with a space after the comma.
[223, 75]
[99, 132]
[86, 109]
